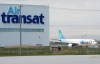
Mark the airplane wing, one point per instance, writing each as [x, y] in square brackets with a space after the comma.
[56, 39]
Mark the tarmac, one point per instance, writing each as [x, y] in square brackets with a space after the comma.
[58, 59]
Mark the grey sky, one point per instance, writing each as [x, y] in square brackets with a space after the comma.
[62, 11]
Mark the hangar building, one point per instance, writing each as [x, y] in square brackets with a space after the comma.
[30, 23]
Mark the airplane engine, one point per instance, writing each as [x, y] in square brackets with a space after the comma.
[69, 45]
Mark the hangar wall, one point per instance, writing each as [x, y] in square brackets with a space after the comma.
[34, 24]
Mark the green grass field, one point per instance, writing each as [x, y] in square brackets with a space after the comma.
[45, 50]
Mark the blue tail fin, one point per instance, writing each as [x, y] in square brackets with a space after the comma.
[61, 35]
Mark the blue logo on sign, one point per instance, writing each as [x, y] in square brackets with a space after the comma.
[13, 16]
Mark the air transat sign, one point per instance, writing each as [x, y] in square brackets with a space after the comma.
[13, 15]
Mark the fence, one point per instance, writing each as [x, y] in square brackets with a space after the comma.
[45, 50]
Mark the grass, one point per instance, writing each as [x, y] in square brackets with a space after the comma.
[45, 50]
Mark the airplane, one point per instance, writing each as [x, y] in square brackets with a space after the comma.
[76, 42]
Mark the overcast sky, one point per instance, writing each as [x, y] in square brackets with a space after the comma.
[68, 12]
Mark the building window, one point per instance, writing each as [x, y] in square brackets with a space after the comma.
[23, 30]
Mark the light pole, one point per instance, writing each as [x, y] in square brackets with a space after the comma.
[20, 20]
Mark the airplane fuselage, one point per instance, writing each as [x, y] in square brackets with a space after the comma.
[80, 41]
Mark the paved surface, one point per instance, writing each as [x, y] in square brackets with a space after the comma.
[65, 59]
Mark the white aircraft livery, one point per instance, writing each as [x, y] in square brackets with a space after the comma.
[76, 42]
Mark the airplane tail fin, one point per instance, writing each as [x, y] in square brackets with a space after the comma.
[61, 35]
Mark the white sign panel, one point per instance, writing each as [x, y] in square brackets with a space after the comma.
[34, 21]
